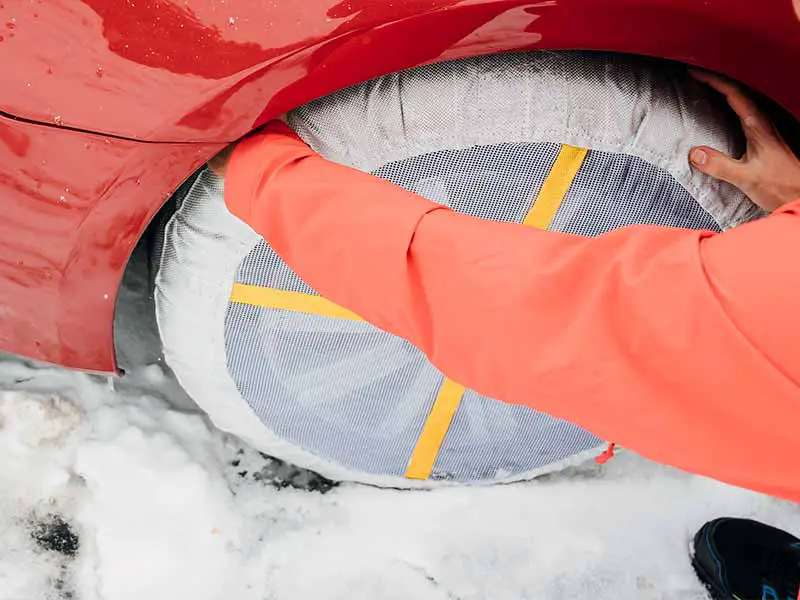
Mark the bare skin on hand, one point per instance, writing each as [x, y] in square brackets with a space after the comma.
[769, 172]
[219, 164]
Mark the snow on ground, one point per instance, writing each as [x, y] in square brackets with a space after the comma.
[117, 495]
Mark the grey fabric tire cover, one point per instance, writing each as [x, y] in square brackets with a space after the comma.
[479, 135]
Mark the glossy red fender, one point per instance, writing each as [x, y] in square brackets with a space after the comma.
[166, 82]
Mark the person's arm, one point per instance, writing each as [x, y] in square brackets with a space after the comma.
[660, 339]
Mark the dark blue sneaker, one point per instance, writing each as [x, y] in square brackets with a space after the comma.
[739, 559]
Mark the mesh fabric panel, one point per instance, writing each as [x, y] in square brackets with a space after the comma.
[359, 396]
[489, 440]
[614, 190]
[344, 390]
[497, 182]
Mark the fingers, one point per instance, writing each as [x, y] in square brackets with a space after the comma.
[721, 166]
[769, 172]
[755, 124]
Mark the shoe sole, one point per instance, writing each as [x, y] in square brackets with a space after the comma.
[714, 590]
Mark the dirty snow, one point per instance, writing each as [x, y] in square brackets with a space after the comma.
[164, 507]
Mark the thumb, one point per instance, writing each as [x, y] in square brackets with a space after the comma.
[720, 166]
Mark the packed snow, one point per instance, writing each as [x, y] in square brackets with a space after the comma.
[122, 490]
[120, 495]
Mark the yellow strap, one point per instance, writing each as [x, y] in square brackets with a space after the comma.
[555, 187]
[294, 301]
[550, 197]
[436, 426]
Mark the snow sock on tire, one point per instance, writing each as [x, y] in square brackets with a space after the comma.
[571, 142]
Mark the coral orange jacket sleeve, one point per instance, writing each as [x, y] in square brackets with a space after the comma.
[682, 346]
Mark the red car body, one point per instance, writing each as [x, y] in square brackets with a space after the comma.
[106, 106]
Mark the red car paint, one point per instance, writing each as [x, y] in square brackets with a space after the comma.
[165, 82]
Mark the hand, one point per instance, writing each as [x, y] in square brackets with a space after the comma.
[219, 164]
[769, 172]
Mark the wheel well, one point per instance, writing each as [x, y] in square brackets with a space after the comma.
[136, 338]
